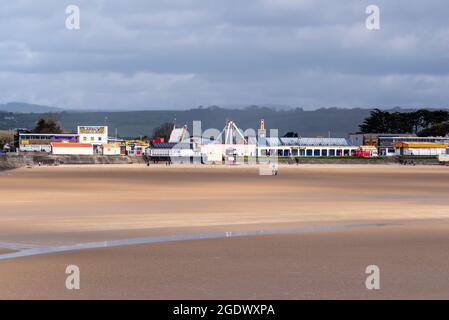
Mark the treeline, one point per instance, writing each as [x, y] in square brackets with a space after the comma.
[47, 125]
[6, 137]
[422, 122]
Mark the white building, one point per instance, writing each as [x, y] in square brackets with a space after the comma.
[95, 135]
[387, 144]
[230, 146]
[420, 148]
[217, 152]
[111, 149]
[173, 152]
[72, 149]
[41, 142]
[306, 147]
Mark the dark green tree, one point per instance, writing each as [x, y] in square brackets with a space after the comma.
[291, 134]
[163, 131]
[403, 122]
[437, 130]
[378, 121]
[437, 117]
[47, 126]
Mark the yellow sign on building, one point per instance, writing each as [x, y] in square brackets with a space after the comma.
[91, 130]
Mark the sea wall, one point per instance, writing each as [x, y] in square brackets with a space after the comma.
[371, 161]
[7, 162]
[311, 160]
[12, 161]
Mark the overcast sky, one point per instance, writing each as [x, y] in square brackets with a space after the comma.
[182, 53]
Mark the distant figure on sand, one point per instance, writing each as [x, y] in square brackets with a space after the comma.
[274, 170]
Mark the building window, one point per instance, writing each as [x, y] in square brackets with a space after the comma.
[84, 138]
[324, 153]
[91, 138]
[99, 138]
[309, 152]
[316, 152]
[332, 153]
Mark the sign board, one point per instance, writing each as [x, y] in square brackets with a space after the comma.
[91, 130]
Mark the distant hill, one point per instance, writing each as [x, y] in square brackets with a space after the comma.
[20, 107]
[321, 122]
[336, 122]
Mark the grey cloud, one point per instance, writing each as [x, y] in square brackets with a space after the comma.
[181, 53]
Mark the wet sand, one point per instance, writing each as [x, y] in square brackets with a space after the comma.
[49, 206]
[413, 262]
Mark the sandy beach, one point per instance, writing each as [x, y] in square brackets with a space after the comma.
[399, 219]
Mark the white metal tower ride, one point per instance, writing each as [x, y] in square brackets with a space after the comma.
[231, 131]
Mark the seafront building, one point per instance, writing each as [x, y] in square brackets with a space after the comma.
[41, 142]
[60, 148]
[306, 147]
[95, 135]
[231, 144]
[385, 142]
[419, 149]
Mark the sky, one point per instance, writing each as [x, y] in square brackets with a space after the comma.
[178, 54]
